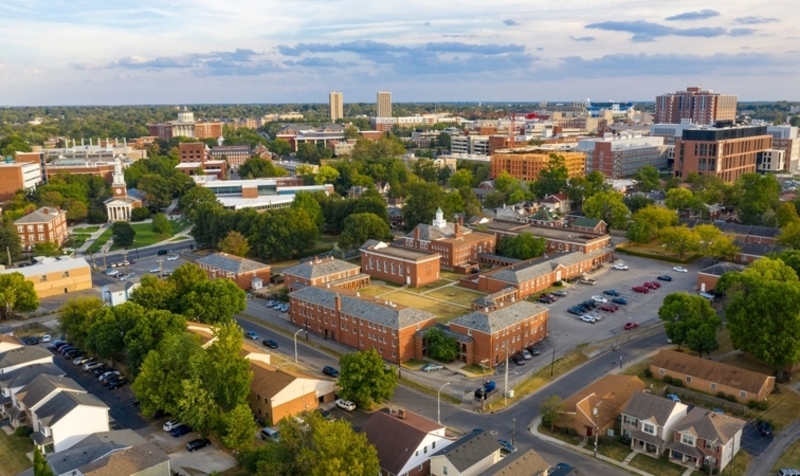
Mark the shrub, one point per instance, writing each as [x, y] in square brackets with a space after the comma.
[558, 283]
[648, 373]
[572, 432]
[731, 398]
[23, 431]
[752, 404]
[139, 214]
[565, 430]
[677, 383]
[667, 379]
[762, 405]
[721, 395]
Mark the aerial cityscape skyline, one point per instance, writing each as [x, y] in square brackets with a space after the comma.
[203, 52]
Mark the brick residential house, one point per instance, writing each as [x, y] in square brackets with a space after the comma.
[706, 437]
[325, 271]
[597, 406]
[707, 277]
[359, 322]
[45, 225]
[400, 265]
[405, 441]
[458, 245]
[648, 421]
[512, 327]
[712, 377]
[246, 273]
[277, 393]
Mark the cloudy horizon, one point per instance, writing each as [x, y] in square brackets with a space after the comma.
[199, 51]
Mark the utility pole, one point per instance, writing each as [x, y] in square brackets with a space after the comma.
[505, 397]
[105, 265]
[125, 260]
[8, 250]
[513, 430]
[553, 361]
[160, 268]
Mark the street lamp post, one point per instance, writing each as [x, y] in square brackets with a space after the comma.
[596, 427]
[439, 404]
[505, 397]
[295, 344]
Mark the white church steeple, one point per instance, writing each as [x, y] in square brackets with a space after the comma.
[439, 221]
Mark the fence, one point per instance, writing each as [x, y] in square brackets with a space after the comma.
[651, 327]
[688, 395]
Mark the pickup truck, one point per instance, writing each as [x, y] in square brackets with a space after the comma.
[488, 387]
[589, 281]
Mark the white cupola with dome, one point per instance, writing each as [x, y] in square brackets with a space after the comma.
[439, 221]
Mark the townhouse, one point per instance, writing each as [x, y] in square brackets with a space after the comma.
[705, 437]
[469, 455]
[648, 420]
[277, 393]
[595, 408]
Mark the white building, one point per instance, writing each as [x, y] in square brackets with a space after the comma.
[26, 177]
[473, 144]
[786, 139]
[120, 206]
[772, 160]
[261, 194]
[118, 293]
[621, 155]
[68, 418]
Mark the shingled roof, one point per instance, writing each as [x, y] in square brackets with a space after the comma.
[62, 404]
[710, 425]
[396, 438]
[129, 461]
[42, 215]
[526, 270]
[44, 385]
[22, 355]
[711, 371]
[316, 269]
[469, 450]
[528, 463]
[231, 263]
[646, 406]
[24, 375]
[501, 318]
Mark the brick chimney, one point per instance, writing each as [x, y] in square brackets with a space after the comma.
[338, 303]
[458, 230]
[460, 220]
[416, 233]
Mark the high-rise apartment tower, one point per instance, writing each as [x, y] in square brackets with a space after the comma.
[700, 107]
[384, 104]
[336, 102]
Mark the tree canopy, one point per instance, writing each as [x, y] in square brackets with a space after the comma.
[609, 207]
[365, 379]
[122, 233]
[360, 227]
[17, 294]
[690, 320]
[523, 246]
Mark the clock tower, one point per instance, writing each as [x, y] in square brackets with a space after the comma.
[118, 187]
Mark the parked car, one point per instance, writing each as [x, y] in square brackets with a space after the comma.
[162, 252]
[611, 292]
[620, 300]
[330, 371]
[545, 300]
[630, 325]
[641, 289]
[180, 430]
[172, 258]
[589, 304]
[507, 446]
[101, 370]
[112, 272]
[664, 277]
[680, 269]
[526, 355]
[620, 267]
[270, 343]
[597, 317]
[588, 318]
[46, 338]
[575, 310]
[652, 285]
[487, 388]
[72, 353]
[518, 359]
[169, 425]
[117, 383]
[609, 308]
[764, 428]
[82, 360]
[251, 335]
[345, 405]
[430, 367]
[589, 281]
[534, 351]
[91, 366]
[197, 443]
[108, 375]
[673, 397]
[599, 299]
[326, 415]
[270, 434]
[155, 270]
[559, 293]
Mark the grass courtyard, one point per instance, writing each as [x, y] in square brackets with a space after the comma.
[13, 454]
[455, 295]
[443, 311]
[99, 242]
[146, 237]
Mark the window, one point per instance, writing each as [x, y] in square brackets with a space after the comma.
[628, 420]
[433, 445]
[444, 470]
[43, 278]
[713, 386]
[743, 394]
[649, 428]
[687, 439]
[688, 379]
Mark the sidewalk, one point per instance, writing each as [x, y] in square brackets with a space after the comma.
[94, 236]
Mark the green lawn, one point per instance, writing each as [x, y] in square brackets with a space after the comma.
[657, 467]
[13, 454]
[100, 241]
[789, 459]
[739, 465]
[76, 240]
[455, 295]
[146, 237]
[444, 312]
[476, 370]
[614, 450]
[573, 440]
[86, 229]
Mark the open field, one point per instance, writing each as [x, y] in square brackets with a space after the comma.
[76, 240]
[146, 237]
[376, 289]
[86, 229]
[455, 295]
[444, 312]
[724, 341]
[450, 275]
[13, 454]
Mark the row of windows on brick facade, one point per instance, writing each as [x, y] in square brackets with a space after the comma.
[561, 247]
[712, 385]
[517, 338]
[30, 228]
[32, 237]
[344, 317]
[398, 270]
[43, 278]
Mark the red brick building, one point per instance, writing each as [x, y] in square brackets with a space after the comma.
[726, 152]
[359, 322]
[511, 327]
[399, 265]
[331, 272]
[47, 224]
[235, 155]
[581, 238]
[458, 245]
[194, 156]
[707, 278]
[246, 273]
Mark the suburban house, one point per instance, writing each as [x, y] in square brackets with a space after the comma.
[359, 322]
[118, 293]
[648, 421]
[500, 332]
[458, 245]
[400, 265]
[713, 377]
[53, 277]
[10, 342]
[528, 463]
[109, 453]
[246, 273]
[325, 272]
[14, 359]
[469, 455]
[558, 203]
[12, 382]
[38, 392]
[66, 419]
[706, 437]
[405, 441]
[707, 277]
[277, 393]
[597, 406]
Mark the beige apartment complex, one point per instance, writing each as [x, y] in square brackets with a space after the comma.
[384, 104]
[727, 152]
[527, 162]
[336, 102]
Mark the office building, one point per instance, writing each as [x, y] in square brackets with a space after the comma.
[195, 157]
[695, 105]
[45, 225]
[186, 126]
[234, 155]
[526, 163]
[336, 103]
[18, 176]
[727, 152]
[785, 138]
[471, 144]
[621, 155]
[384, 104]
[260, 194]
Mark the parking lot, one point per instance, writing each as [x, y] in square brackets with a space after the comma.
[136, 270]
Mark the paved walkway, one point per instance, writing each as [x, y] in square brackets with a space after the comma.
[85, 246]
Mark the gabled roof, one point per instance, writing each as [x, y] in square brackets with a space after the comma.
[92, 448]
[757, 249]
[315, 269]
[535, 267]
[721, 268]
[25, 375]
[268, 380]
[23, 354]
[586, 222]
[11, 339]
[710, 425]
[44, 385]
[507, 315]
[528, 463]
[711, 371]
[396, 439]
[42, 215]
[544, 214]
[470, 449]
[62, 404]
[609, 394]
[646, 406]
[126, 462]
[232, 263]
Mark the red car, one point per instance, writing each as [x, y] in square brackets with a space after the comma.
[652, 285]
[608, 308]
[630, 325]
[641, 289]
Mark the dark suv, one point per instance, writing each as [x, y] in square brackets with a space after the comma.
[330, 371]
[764, 428]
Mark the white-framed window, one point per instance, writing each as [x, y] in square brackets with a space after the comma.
[649, 428]
[687, 439]
[629, 420]
[661, 372]
[713, 386]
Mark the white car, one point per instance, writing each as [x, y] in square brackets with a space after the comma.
[345, 405]
[112, 272]
[172, 258]
[168, 426]
[620, 267]
[680, 269]
[599, 299]
[46, 338]
[155, 270]
[597, 317]
[588, 318]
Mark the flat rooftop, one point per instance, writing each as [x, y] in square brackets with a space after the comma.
[545, 232]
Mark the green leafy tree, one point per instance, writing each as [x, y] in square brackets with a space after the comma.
[461, 178]
[40, 465]
[639, 232]
[284, 233]
[637, 202]
[759, 193]
[239, 428]
[326, 174]
[157, 191]
[714, 243]
[154, 293]
[609, 207]
[672, 182]
[9, 243]
[305, 201]
[122, 233]
[46, 248]
[106, 336]
[523, 246]
[161, 225]
[77, 317]
[786, 213]
[552, 411]
[365, 379]
[441, 346]
[214, 301]
[140, 214]
[280, 147]
[647, 178]
[76, 210]
[421, 205]
[680, 240]
[360, 227]
[790, 235]
[791, 258]
[186, 277]
[189, 202]
[679, 199]
[235, 244]
[690, 320]
[766, 297]
[13, 143]
[552, 179]
[153, 327]
[649, 221]
[256, 167]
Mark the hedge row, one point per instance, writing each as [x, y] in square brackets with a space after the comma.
[670, 259]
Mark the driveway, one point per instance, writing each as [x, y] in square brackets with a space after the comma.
[753, 442]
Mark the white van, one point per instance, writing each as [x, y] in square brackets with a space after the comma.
[270, 434]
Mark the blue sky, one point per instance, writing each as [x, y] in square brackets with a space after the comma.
[193, 51]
